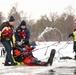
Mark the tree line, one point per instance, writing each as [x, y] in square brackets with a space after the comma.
[64, 23]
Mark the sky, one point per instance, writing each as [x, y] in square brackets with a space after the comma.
[36, 8]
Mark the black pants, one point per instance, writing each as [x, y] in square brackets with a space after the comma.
[7, 45]
[74, 47]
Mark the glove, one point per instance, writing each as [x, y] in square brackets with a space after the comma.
[14, 45]
[23, 49]
[33, 47]
[19, 43]
[22, 41]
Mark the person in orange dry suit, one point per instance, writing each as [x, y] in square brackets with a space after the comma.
[25, 55]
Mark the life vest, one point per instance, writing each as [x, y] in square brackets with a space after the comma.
[22, 34]
[7, 33]
[20, 53]
[74, 33]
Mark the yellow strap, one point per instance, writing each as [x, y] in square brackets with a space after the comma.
[0, 33]
[18, 63]
[13, 38]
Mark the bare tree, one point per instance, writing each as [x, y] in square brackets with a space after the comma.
[16, 14]
[1, 18]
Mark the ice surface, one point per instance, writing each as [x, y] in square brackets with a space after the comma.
[62, 49]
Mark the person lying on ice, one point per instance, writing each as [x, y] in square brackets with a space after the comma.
[25, 55]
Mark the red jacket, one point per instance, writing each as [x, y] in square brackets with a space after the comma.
[6, 32]
[22, 34]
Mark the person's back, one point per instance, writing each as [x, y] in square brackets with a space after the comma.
[6, 31]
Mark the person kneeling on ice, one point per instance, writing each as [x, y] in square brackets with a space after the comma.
[25, 55]
[23, 33]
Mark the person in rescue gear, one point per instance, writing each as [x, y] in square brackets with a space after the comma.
[6, 37]
[25, 55]
[22, 33]
[73, 35]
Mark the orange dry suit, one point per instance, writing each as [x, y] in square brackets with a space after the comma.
[27, 57]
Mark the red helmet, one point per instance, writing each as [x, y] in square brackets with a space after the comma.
[74, 29]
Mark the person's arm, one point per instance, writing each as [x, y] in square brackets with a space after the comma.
[71, 35]
[27, 35]
[1, 29]
[4, 32]
[16, 34]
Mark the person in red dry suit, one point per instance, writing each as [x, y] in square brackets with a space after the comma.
[25, 55]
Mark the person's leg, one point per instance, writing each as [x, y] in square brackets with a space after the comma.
[27, 61]
[50, 60]
[30, 61]
[74, 51]
[75, 56]
[36, 62]
[7, 46]
[8, 59]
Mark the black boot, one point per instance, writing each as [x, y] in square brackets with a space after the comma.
[50, 60]
[75, 57]
[7, 64]
[13, 64]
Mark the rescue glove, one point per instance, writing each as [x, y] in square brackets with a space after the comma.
[33, 47]
[19, 43]
[23, 49]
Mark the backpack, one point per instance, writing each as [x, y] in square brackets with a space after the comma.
[4, 24]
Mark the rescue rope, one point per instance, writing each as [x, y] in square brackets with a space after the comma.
[63, 47]
[54, 44]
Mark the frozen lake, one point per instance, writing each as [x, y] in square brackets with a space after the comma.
[59, 67]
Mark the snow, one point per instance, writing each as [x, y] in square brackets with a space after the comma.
[62, 49]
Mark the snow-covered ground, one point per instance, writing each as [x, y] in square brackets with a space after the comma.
[42, 52]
